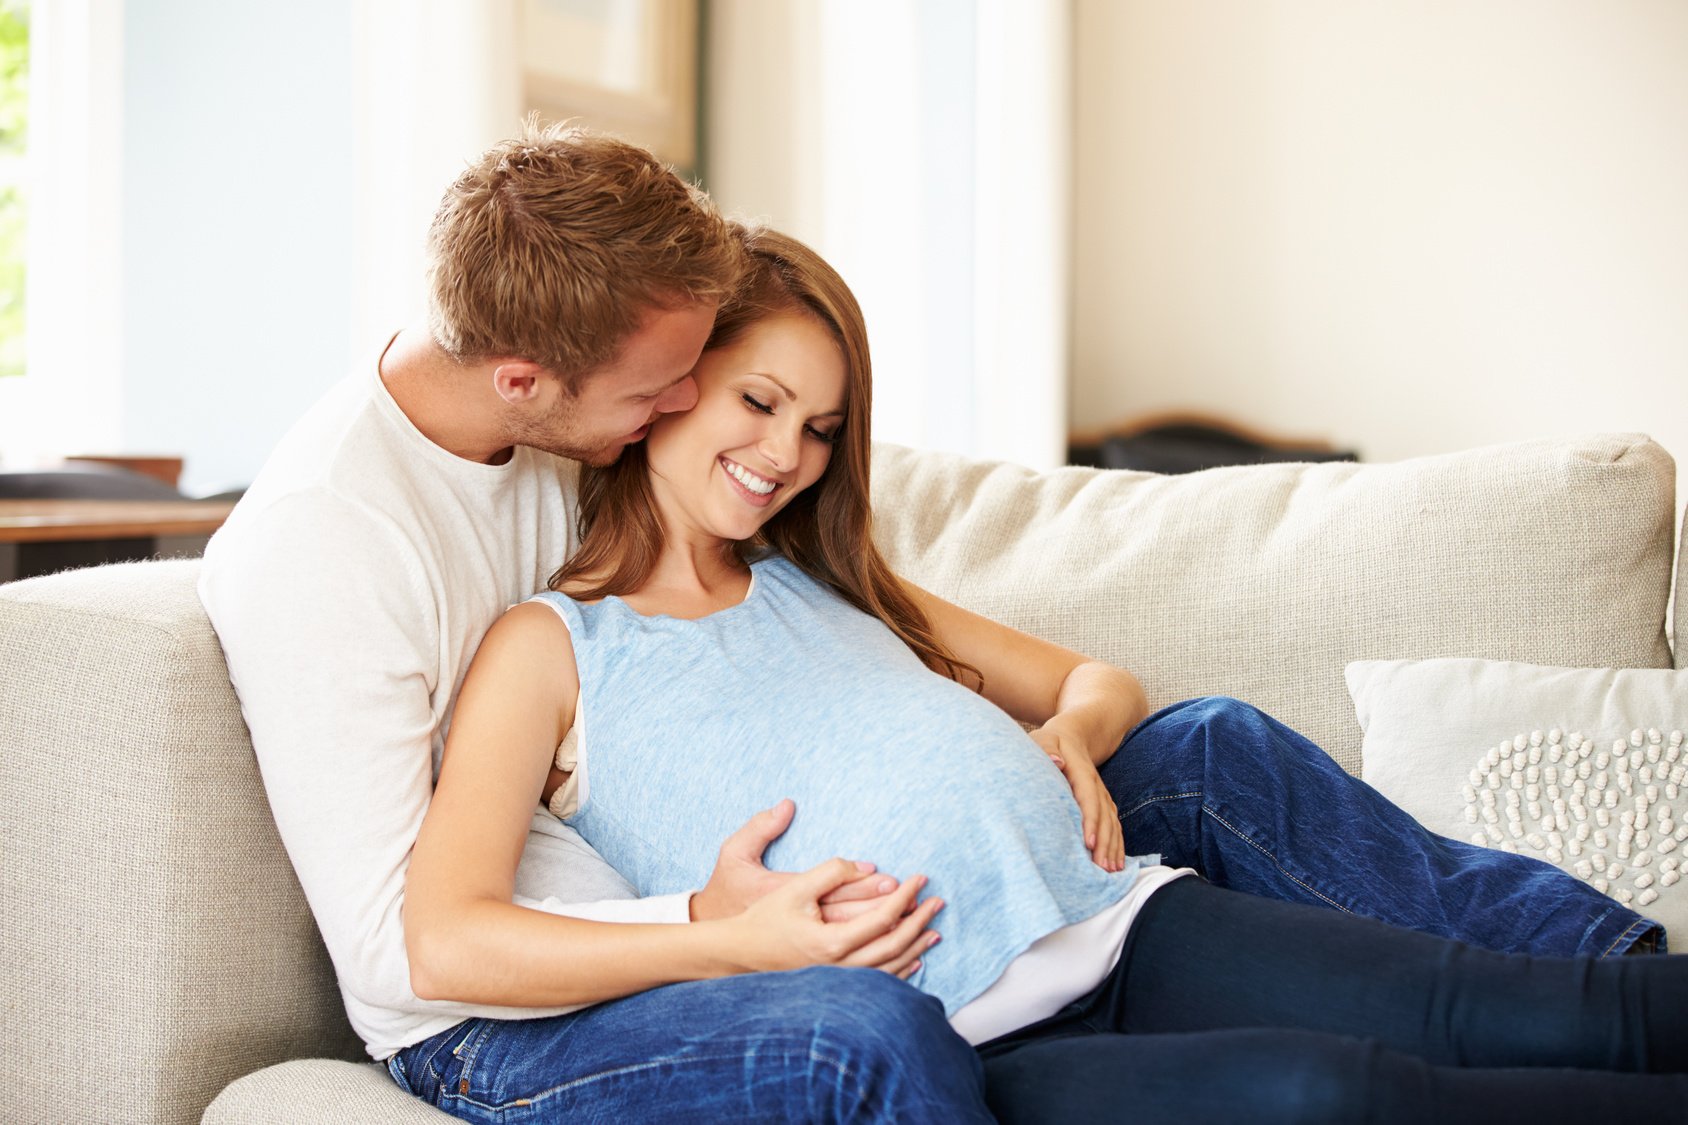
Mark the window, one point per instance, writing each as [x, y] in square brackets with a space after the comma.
[14, 127]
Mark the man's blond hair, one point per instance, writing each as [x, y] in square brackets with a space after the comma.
[552, 246]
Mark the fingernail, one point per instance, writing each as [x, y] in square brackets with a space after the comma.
[914, 968]
[864, 868]
[886, 886]
[931, 941]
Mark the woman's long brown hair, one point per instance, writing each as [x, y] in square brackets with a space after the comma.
[826, 530]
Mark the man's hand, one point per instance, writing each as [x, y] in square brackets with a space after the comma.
[740, 879]
[1102, 833]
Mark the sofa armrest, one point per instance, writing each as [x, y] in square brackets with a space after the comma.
[162, 946]
[323, 1092]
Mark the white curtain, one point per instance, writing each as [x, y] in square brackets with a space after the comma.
[437, 82]
[923, 147]
[71, 399]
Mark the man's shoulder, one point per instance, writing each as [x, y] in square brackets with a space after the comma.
[332, 443]
[299, 511]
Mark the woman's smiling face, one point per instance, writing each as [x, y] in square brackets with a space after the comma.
[769, 406]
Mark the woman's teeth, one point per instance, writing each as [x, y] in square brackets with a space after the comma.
[749, 479]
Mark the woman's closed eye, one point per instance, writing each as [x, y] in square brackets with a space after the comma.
[827, 437]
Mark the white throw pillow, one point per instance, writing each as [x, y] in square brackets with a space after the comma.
[1586, 768]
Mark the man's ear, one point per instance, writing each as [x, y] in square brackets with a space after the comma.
[518, 381]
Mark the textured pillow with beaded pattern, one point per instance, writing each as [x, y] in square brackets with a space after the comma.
[1585, 768]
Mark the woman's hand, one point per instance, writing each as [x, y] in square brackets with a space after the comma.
[1102, 832]
[785, 929]
[740, 878]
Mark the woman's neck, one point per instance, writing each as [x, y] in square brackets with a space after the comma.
[693, 580]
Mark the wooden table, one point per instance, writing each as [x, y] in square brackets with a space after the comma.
[57, 521]
[40, 536]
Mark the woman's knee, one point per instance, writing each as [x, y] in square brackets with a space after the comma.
[1216, 710]
[1173, 745]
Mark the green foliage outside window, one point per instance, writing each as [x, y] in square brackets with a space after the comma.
[14, 129]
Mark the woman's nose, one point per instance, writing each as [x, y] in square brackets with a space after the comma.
[780, 447]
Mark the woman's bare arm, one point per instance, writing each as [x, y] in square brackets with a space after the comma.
[468, 942]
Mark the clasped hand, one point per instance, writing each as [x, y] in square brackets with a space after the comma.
[836, 913]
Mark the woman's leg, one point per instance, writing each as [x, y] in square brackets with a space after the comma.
[1294, 1078]
[820, 1044]
[1201, 958]
[1222, 787]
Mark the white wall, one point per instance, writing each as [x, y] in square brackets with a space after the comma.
[1411, 225]
[237, 217]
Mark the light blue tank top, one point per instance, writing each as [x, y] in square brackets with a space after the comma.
[693, 726]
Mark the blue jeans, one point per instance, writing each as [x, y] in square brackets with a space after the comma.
[1230, 1007]
[821, 1044]
[1211, 784]
[1221, 787]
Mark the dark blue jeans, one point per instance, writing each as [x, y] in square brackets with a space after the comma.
[1221, 787]
[1229, 1007]
[821, 1044]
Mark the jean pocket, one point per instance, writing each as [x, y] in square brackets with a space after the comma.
[507, 1067]
[431, 1069]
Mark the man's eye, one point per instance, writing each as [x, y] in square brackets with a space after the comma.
[756, 404]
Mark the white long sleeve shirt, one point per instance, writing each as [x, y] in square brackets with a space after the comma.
[349, 589]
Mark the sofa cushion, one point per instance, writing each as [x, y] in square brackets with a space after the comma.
[1264, 582]
[1585, 768]
[161, 946]
[323, 1092]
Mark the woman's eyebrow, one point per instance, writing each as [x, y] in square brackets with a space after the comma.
[789, 395]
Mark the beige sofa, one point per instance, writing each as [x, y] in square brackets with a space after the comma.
[162, 957]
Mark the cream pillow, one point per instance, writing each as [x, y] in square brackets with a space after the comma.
[1585, 768]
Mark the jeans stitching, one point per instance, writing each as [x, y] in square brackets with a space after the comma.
[843, 1070]
[1245, 838]
[473, 1042]
[1141, 805]
[632, 1068]
[1267, 852]
[1637, 927]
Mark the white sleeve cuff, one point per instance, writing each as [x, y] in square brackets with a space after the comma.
[657, 908]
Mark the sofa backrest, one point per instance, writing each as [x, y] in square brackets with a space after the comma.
[158, 943]
[1264, 582]
[1679, 616]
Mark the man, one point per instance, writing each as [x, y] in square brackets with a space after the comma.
[573, 282]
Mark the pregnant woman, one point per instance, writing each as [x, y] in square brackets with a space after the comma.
[728, 639]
